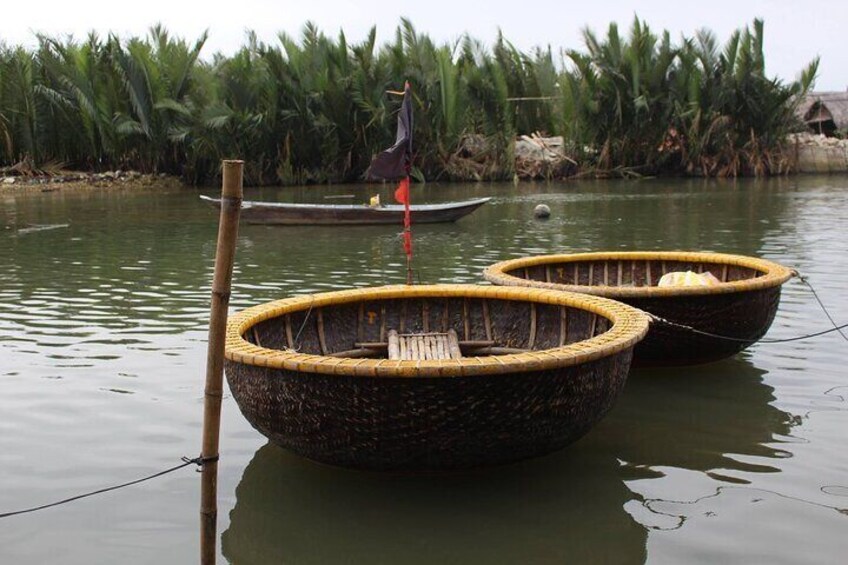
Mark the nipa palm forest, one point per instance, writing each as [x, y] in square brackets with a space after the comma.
[314, 109]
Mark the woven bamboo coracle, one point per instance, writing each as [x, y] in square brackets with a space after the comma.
[740, 307]
[537, 369]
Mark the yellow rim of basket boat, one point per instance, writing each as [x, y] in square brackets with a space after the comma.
[773, 273]
[629, 326]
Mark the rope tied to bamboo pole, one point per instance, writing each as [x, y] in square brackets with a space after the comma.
[199, 461]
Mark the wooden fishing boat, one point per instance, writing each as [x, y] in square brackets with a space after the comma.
[257, 212]
[423, 378]
[738, 310]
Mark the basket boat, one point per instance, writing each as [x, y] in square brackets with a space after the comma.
[740, 308]
[318, 374]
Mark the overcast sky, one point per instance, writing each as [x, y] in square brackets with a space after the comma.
[796, 32]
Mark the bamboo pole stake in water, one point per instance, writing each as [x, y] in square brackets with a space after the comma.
[231, 195]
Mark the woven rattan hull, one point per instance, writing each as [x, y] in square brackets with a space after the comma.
[427, 424]
[740, 308]
[744, 316]
[538, 369]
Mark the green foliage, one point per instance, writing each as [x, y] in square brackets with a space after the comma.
[316, 108]
[650, 107]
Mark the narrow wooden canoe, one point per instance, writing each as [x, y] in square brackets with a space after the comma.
[539, 369]
[740, 308]
[256, 212]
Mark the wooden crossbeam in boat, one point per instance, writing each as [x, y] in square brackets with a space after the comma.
[382, 322]
[289, 335]
[563, 325]
[402, 315]
[321, 341]
[401, 349]
[487, 320]
[497, 351]
[355, 353]
[465, 321]
[360, 322]
[532, 339]
[463, 344]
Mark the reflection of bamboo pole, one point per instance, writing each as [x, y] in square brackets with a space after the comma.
[231, 196]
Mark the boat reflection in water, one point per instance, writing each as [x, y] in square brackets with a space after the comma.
[712, 418]
[565, 507]
[569, 506]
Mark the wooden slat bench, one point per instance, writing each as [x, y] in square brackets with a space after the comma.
[423, 346]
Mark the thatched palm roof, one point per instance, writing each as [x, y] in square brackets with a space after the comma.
[818, 107]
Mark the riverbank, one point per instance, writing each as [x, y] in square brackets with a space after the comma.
[76, 180]
[819, 154]
[535, 158]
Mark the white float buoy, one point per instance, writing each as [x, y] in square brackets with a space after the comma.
[542, 211]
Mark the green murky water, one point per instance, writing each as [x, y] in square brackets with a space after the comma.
[103, 303]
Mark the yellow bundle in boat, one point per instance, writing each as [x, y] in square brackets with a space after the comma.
[689, 278]
[375, 201]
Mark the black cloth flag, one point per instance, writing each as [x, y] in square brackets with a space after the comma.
[394, 163]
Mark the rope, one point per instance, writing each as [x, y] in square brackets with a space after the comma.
[742, 340]
[826, 313]
[803, 279]
[199, 461]
[302, 325]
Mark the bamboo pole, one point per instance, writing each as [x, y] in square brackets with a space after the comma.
[231, 196]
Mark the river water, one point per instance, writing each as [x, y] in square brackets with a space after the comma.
[104, 299]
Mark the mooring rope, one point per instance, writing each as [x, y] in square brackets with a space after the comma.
[199, 461]
[804, 280]
[835, 328]
[743, 340]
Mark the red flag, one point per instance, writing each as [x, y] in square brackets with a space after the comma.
[402, 192]
[402, 196]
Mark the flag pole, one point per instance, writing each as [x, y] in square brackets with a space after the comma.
[407, 228]
[396, 163]
[407, 220]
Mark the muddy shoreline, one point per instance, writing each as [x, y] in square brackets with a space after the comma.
[86, 181]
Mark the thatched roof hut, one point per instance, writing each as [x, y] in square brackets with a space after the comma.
[824, 112]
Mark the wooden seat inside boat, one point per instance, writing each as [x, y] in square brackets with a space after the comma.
[427, 328]
[424, 346]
